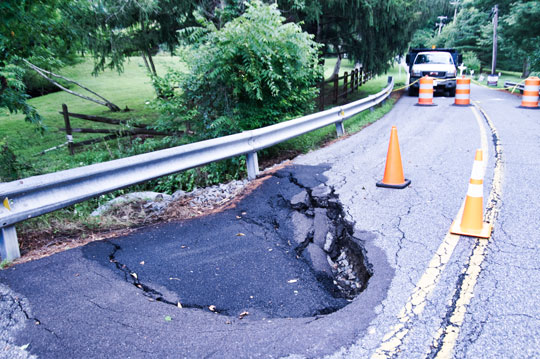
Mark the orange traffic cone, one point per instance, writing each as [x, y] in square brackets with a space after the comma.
[393, 172]
[471, 223]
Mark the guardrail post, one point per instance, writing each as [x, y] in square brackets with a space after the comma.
[9, 246]
[340, 129]
[252, 165]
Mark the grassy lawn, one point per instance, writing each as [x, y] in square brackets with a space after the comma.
[132, 88]
[505, 76]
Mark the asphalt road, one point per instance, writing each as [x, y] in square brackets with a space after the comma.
[430, 294]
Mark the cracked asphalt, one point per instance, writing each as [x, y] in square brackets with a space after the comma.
[120, 298]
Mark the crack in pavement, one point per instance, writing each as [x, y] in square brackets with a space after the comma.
[446, 337]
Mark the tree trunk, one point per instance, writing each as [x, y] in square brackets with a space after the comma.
[111, 106]
[337, 67]
[146, 62]
[526, 68]
[149, 55]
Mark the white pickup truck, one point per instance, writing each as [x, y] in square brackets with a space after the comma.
[440, 64]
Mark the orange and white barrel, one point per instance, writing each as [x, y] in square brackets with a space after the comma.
[530, 93]
[425, 93]
[463, 92]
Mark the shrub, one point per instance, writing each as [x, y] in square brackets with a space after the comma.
[255, 71]
[471, 61]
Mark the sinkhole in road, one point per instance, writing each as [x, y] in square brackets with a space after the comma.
[285, 250]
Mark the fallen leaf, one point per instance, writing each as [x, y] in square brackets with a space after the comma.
[179, 305]
[142, 263]
[238, 217]
[228, 322]
[240, 234]
[292, 281]
[24, 347]
[134, 275]
[138, 286]
[77, 274]
[212, 308]
[244, 213]
[173, 278]
[242, 315]
[168, 318]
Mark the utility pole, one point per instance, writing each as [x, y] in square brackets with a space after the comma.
[441, 23]
[494, 54]
[456, 4]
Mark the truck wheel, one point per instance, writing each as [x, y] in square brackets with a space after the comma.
[413, 91]
[452, 92]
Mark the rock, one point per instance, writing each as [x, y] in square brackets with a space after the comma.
[300, 201]
[302, 225]
[320, 227]
[130, 197]
[317, 259]
[329, 243]
[320, 194]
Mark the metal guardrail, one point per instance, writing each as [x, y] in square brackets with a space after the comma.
[38, 195]
[510, 85]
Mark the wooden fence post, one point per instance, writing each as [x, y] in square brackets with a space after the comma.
[69, 135]
[345, 78]
[356, 72]
[336, 89]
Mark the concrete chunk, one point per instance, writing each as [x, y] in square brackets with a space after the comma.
[300, 200]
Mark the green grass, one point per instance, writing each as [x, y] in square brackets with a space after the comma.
[132, 88]
[505, 76]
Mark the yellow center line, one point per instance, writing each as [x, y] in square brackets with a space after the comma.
[429, 280]
[445, 339]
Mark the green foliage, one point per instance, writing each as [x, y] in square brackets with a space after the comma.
[255, 71]
[370, 32]
[10, 167]
[32, 30]
[422, 39]
[5, 264]
[471, 61]
[113, 30]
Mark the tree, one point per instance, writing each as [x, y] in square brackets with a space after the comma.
[113, 30]
[371, 32]
[29, 30]
[522, 30]
[255, 71]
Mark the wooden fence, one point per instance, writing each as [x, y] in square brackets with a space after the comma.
[133, 129]
[335, 91]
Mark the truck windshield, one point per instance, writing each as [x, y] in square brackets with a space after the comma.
[434, 58]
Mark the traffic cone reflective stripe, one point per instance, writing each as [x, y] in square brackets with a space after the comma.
[463, 92]
[425, 93]
[471, 222]
[530, 93]
[393, 171]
